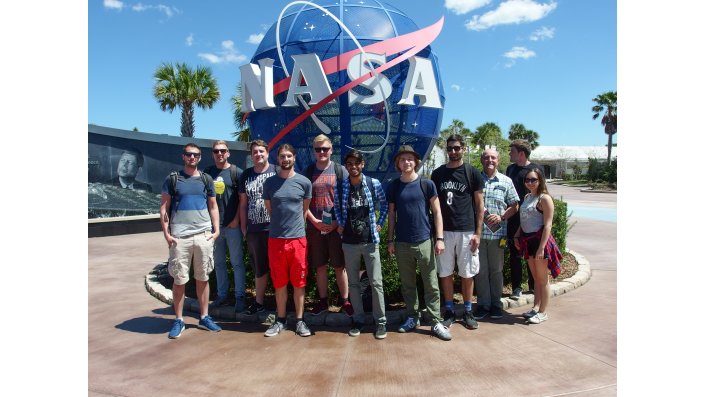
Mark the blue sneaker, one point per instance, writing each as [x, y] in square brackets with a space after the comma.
[208, 324]
[408, 325]
[176, 329]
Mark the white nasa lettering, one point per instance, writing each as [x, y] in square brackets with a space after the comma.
[309, 78]
[379, 85]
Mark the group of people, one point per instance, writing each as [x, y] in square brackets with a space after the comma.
[333, 215]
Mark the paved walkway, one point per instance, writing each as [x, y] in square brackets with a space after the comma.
[575, 352]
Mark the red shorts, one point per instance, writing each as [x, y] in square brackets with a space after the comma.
[287, 261]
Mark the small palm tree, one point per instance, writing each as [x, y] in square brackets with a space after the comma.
[518, 131]
[179, 85]
[607, 103]
[240, 118]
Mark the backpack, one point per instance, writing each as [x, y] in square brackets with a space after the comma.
[426, 195]
[173, 178]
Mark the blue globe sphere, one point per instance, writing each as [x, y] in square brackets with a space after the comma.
[305, 30]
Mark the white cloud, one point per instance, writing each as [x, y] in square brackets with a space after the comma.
[460, 7]
[519, 52]
[229, 54]
[542, 33]
[511, 12]
[255, 38]
[189, 40]
[114, 4]
[168, 11]
[455, 87]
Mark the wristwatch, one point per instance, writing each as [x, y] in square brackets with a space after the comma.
[439, 239]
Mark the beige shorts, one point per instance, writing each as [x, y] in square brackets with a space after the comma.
[190, 249]
[458, 253]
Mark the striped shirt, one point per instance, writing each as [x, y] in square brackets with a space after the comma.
[341, 209]
[499, 193]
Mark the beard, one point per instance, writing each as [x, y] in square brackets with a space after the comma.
[286, 167]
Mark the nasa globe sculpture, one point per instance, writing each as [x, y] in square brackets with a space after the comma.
[362, 73]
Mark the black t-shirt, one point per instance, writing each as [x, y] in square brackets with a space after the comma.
[456, 197]
[226, 197]
[357, 226]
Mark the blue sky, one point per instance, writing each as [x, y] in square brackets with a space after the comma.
[536, 62]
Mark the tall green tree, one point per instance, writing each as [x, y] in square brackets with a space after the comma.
[606, 105]
[456, 127]
[243, 128]
[518, 131]
[179, 85]
[489, 134]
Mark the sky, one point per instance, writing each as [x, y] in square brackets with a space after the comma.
[535, 62]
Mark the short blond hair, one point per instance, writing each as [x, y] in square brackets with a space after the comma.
[221, 142]
[322, 138]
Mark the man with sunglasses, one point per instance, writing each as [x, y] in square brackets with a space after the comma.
[459, 188]
[325, 243]
[191, 223]
[519, 152]
[225, 181]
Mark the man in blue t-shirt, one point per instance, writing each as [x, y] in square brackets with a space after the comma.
[190, 222]
[408, 219]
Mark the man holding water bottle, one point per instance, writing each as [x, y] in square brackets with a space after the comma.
[324, 243]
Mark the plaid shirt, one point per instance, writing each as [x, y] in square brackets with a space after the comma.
[499, 193]
[341, 209]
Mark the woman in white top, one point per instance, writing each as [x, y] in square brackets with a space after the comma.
[535, 242]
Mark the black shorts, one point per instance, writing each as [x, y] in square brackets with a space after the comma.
[258, 247]
[324, 247]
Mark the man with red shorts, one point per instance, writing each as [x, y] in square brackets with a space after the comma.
[287, 196]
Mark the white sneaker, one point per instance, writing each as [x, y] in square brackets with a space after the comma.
[538, 318]
[275, 329]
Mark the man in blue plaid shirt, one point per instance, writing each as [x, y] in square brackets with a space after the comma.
[501, 202]
[359, 228]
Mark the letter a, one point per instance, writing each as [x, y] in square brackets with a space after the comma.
[422, 82]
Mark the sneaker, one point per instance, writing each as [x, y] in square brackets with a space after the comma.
[448, 318]
[208, 324]
[469, 320]
[516, 294]
[219, 302]
[530, 313]
[302, 329]
[481, 313]
[442, 332]
[496, 312]
[538, 318]
[355, 330]
[321, 307]
[254, 309]
[240, 305]
[176, 329]
[275, 329]
[347, 308]
[381, 331]
[408, 325]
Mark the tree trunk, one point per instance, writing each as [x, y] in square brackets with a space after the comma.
[187, 126]
[609, 149]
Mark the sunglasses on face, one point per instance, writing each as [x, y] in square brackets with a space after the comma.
[321, 149]
[531, 180]
[192, 154]
[453, 148]
[221, 151]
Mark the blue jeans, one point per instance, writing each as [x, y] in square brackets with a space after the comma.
[233, 239]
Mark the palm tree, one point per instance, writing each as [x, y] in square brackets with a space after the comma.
[456, 127]
[179, 85]
[607, 103]
[240, 118]
[518, 131]
[487, 134]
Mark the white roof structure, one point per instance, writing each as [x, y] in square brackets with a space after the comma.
[571, 153]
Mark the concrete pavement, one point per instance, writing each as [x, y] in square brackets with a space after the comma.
[575, 351]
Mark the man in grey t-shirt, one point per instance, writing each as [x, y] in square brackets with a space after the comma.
[287, 196]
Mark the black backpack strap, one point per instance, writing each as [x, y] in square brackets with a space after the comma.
[468, 172]
[234, 177]
[371, 186]
[308, 172]
[338, 172]
[207, 180]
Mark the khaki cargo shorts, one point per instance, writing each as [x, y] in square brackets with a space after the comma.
[194, 249]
